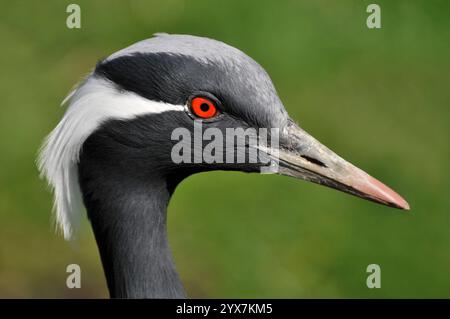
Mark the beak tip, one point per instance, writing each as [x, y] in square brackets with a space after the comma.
[382, 193]
[404, 205]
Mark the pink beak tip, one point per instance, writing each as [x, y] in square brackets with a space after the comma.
[382, 193]
[406, 206]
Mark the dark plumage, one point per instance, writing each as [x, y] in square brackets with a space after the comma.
[113, 149]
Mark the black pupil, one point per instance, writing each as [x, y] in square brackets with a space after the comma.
[204, 107]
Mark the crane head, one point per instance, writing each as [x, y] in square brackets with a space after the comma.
[165, 108]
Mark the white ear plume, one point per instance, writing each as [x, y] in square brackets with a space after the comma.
[91, 104]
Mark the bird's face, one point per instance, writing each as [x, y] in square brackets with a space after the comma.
[216, 94]
[214, 99]
[147, 110]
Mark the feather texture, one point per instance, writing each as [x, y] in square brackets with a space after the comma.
[95, 101]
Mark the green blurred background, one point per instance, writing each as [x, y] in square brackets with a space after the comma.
[380, 98]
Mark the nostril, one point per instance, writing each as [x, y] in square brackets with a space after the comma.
[314, 161]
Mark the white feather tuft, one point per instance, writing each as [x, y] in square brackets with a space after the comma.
[93, 102]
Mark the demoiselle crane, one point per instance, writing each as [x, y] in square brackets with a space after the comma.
[113, 150]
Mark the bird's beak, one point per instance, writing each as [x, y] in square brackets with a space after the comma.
[302, 156]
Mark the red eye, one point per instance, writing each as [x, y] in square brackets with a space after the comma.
[203, 107]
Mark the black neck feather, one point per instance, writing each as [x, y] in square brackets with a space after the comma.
[127, 207]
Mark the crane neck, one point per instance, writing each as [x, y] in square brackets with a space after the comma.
[129, 220]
